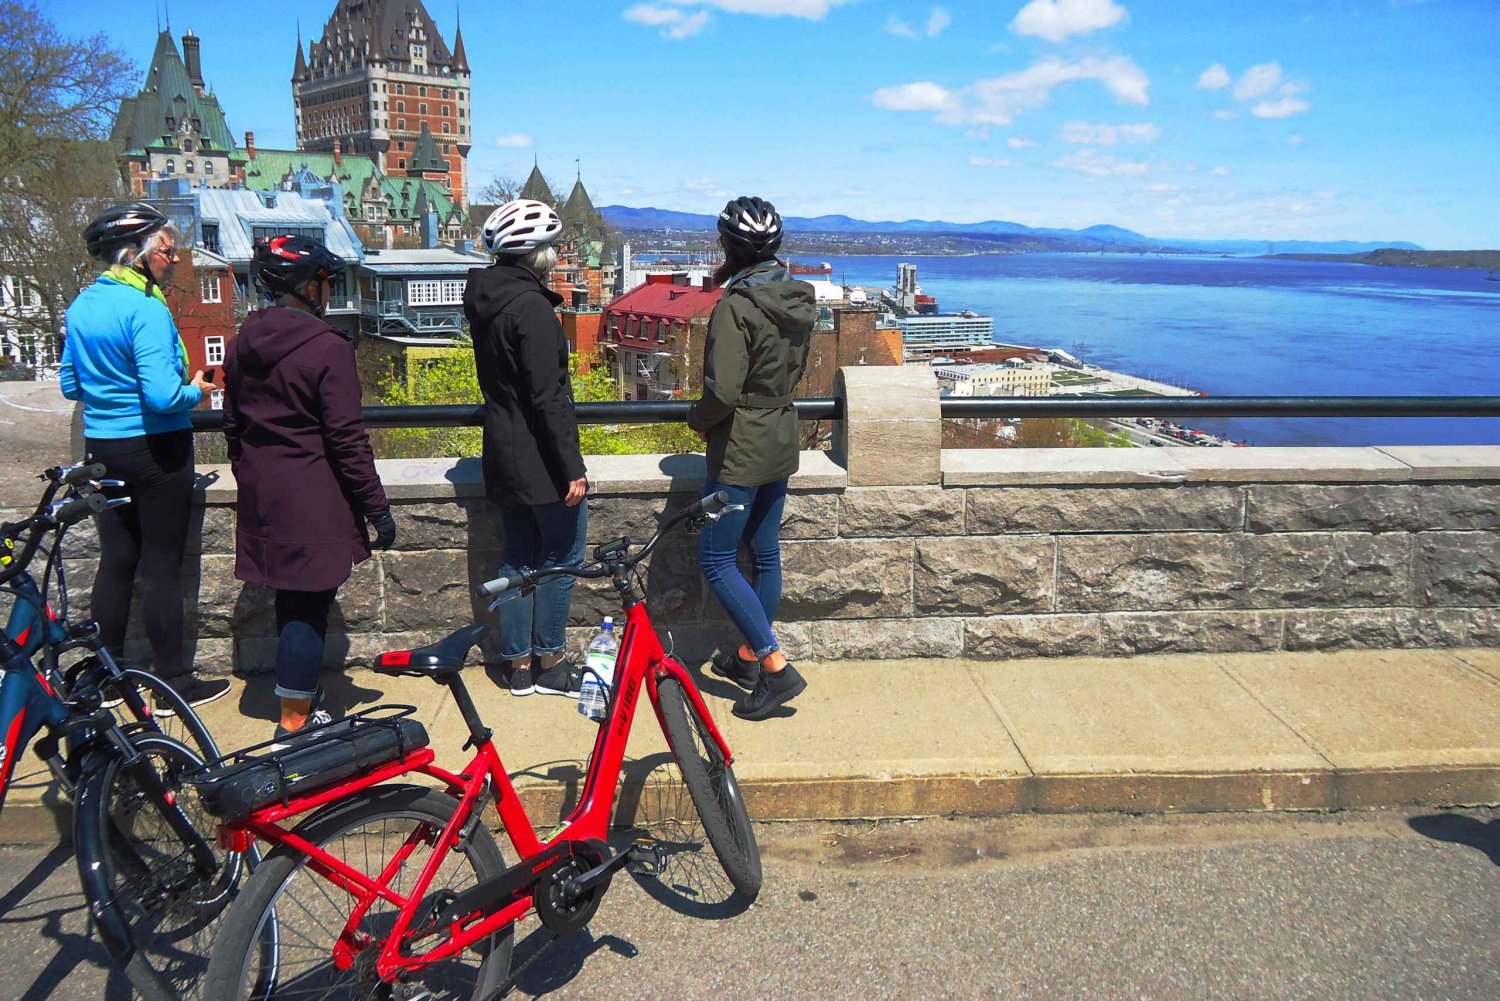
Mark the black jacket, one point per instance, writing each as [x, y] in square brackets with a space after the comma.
[531, 449]
[302, 461]
[758, 340]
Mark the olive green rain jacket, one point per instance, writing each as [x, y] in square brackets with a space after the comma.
[757, 345]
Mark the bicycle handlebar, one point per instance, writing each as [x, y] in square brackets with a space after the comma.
[704, 508]
[72, 476]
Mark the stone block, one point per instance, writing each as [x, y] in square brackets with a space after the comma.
[427, 591]
[1482, 626]
[890, 452]
[887, 639]
[1128, 634]
[1290, 465]
[224, 606]
[983, 576]
[1457, 568]
[846, 579]
[1021, 636]
[892, 511]
[1327, 569]
[1376, 628]
[1302, 507]
[1448, 462]
[1147, 572]
[211, 656]
[810, 516]
[457, 524]
[1460, 507]
[357, 606]
[1170, 508]
[210, 531]
[1027, 467]
[636, 518]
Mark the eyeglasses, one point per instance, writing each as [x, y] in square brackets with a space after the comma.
[168, 253]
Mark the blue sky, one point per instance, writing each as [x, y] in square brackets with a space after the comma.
[1273, 119]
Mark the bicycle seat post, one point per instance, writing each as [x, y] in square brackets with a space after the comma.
[478, 732]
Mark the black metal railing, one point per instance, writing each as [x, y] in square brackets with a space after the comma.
[960, 408]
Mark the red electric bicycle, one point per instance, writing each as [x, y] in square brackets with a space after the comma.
[393, 890]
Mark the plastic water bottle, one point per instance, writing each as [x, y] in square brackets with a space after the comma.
[598, 672]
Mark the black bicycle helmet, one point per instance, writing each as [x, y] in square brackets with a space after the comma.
[751, 225]
[126, 225]
[283, 264]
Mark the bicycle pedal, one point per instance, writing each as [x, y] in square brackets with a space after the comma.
[646, 858]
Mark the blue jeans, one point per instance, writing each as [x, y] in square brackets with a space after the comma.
[751, 609]
[536, 536]
[301, 627]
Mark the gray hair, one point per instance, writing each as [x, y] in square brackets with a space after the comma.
[540, 260]
[131, 257]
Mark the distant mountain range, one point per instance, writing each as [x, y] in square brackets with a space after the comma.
[1010, 236]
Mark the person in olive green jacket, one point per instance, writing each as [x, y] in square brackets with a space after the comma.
[757, 345]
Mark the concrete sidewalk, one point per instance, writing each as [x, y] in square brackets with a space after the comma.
[1246, 732]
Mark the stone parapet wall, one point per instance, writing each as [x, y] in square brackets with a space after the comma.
[991, 554]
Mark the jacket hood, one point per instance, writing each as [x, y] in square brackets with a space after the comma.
[269, 335]
[491, 289]
[788, 303]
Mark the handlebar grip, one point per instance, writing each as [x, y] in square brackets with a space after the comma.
[80, 508]
[490, 588]
[84, 473]
[713, 503]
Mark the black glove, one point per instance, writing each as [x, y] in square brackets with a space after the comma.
[385, 529]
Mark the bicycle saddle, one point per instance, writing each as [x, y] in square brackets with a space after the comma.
[446, 656]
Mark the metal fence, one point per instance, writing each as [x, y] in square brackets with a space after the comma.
[968, 408]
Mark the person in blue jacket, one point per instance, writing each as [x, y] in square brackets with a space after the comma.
[122, 357]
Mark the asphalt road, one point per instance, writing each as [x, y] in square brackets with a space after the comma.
[1357, 906]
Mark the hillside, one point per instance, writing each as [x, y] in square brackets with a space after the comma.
[1391, 257]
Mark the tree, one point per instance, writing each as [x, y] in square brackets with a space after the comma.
[499, 191]
[57, 99]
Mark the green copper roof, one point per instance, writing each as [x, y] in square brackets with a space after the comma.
[271, 166]
[142, 125]
[536, 188]
[425, 157]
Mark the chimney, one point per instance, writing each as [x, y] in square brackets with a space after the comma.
[708, 283]
[250, 145]
[338, 152]
[191, 58]
[680, 278]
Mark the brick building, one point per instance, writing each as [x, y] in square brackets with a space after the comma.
[174, 127]
[201, 297]
[652, 336]
[382, 83]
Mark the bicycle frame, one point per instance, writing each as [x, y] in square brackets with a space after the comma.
[641, 663]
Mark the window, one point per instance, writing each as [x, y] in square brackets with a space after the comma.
[401, 163]
[211, 293]
[171, 165]
[447, 128]
[445, 109]
[401, 123]
[213, 348]
[422, 108]
[187, 145]
[435, 293]
[400, 88]
[30, 297]
[192, 167]
[216, 399]
[266, 232]
[400, 105]
[421, 91]
[445, 91]
[208, 166]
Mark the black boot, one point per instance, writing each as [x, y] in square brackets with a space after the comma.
[774, 688]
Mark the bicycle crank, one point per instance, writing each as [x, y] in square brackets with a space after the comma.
[561, 903]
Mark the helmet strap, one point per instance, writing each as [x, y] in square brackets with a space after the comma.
[151, 281]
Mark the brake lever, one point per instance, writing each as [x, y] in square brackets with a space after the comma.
[721, 512]
[96, 484]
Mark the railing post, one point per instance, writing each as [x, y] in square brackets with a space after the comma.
[891, 433]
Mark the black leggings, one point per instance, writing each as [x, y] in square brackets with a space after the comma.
[146, 536]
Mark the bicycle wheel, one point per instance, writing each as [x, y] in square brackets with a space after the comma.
[305, 914]
[712, 786]
[173, 912]
[183, 725]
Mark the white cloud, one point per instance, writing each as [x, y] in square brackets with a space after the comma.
[1282, 107]
[1258, 81]
[1216, 77]
[982, 132]
[984, 161]
[1109, 135]
[1097, 164]
[701, 184]
[1057, 20]
[937, 22]
[998, 100]
[1226, 114]
[921, 96]
[854, 193]
[675, 23]
[812, 10]
[1296, 140]
[1221, 171]
[514, 141]
[1016, 142]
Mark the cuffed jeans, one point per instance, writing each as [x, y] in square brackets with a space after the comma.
[751, 609]
[301, 627]
[537, 536]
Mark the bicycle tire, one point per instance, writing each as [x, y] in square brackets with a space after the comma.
[267, 896]
[713, 788]
[170, 912]
[184, 725]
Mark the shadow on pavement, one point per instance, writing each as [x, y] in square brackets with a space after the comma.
[563, 960]
[1460, 830]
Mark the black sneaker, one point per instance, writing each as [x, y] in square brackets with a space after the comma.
[521, 682]
[315, 719]
[730, 665]
[774, 688]
[195, 692]
[563, 678]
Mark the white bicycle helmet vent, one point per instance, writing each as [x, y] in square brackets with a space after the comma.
[519, 227]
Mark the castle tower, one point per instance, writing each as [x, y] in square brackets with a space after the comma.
[379, 77]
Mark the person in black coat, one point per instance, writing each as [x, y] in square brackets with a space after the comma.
[533, 469]
[302, 462]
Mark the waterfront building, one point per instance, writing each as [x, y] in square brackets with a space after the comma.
[174, 126]
[994, 379]
[927, 336]
[652, 336]
[382, 83]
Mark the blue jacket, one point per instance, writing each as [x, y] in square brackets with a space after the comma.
[124, 359]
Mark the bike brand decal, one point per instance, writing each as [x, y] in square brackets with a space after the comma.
[629, 696]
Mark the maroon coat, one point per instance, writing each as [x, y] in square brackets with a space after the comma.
[301, 457]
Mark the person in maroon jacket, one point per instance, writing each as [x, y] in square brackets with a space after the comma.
[302, 462]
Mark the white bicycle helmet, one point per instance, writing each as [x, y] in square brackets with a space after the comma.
[521, 226]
